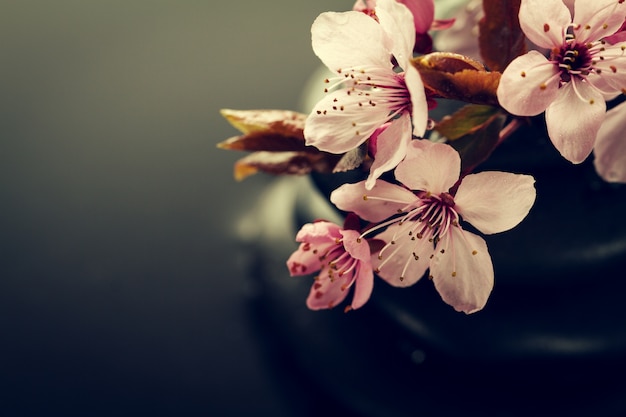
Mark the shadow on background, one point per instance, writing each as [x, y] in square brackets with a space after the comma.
[121, 288]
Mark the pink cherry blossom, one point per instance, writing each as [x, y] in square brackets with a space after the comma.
[610, 148]
[572, 83]
[342, 260]
[423, 11]
[423, 16]
[368, 90]
[422, 228]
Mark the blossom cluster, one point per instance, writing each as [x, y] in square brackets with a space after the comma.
[409, 215]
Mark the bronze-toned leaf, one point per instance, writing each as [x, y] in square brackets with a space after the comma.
[264, 141]
[500, 37]
[450, 62]
[294, 163]
[458, 79]
[465, 121]
[266, 130]
[282, 122]
[276, 140]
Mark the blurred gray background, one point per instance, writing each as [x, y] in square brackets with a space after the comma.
[120, 288]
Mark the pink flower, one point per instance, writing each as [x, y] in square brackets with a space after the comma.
[423, 227]
[570, 85]
[610, 148]
[342, 258]
[367, 92]
[423, 17]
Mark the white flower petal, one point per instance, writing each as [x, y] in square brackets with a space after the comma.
[610, 147]
[418, 101]
[403, 263]
[544, 21]
[338, 123]
[597, 19]
[397, 21]
[375, 205]
[346, 39]
[463, 274]
[611, 66]
[429, 166]
[528, 85]
[574, 118]
[391, 148]
[493, 201]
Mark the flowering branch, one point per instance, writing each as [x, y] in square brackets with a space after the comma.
[537, 56]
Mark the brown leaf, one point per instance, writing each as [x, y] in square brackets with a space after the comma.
[264, 141]
[265, 130]
[450, 62]
[282, 122]
[294, 163]
[457, 77]
[501, 39]
[276, 139]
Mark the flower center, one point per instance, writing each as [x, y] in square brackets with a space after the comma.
[338, 261]
[574, 60]
[429, 221]
[435, 216]
[369, 87]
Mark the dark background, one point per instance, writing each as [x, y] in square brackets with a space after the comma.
[121, 286]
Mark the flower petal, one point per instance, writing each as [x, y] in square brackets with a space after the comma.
[304, 261]
[356, 247]
[363, 286]
[610, 147]
[528, 85]
[364, 6]
[544, 22]
[597, 19]
[339, 124]
[495, 201]
[423, 12]
[574, 118]
[318, 233]
[315, 238]
[391, 146]
[397, 21]
[418, 101]
[347, 39]
[429, 166]
[463, 274]
[611, 69]
[405, 261]
[326, 292]
[375, 205]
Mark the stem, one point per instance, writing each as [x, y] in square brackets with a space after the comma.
[508, 130]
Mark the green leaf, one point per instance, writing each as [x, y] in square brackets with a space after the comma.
[465, 121]
[476, 147]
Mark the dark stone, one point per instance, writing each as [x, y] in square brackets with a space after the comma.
[551, 340]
